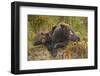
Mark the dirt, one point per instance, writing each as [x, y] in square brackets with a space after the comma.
[76, 51]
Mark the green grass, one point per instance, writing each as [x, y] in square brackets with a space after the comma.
[45, 23]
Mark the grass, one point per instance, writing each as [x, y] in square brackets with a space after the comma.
[74, 50]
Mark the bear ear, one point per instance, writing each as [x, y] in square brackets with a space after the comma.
[62, 25]
[42, 33]
[54, 28]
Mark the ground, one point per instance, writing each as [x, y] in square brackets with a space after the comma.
[76, 50]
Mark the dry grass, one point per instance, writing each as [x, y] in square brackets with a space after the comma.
[76, 50]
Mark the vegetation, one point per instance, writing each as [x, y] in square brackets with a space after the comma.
[41, 23]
